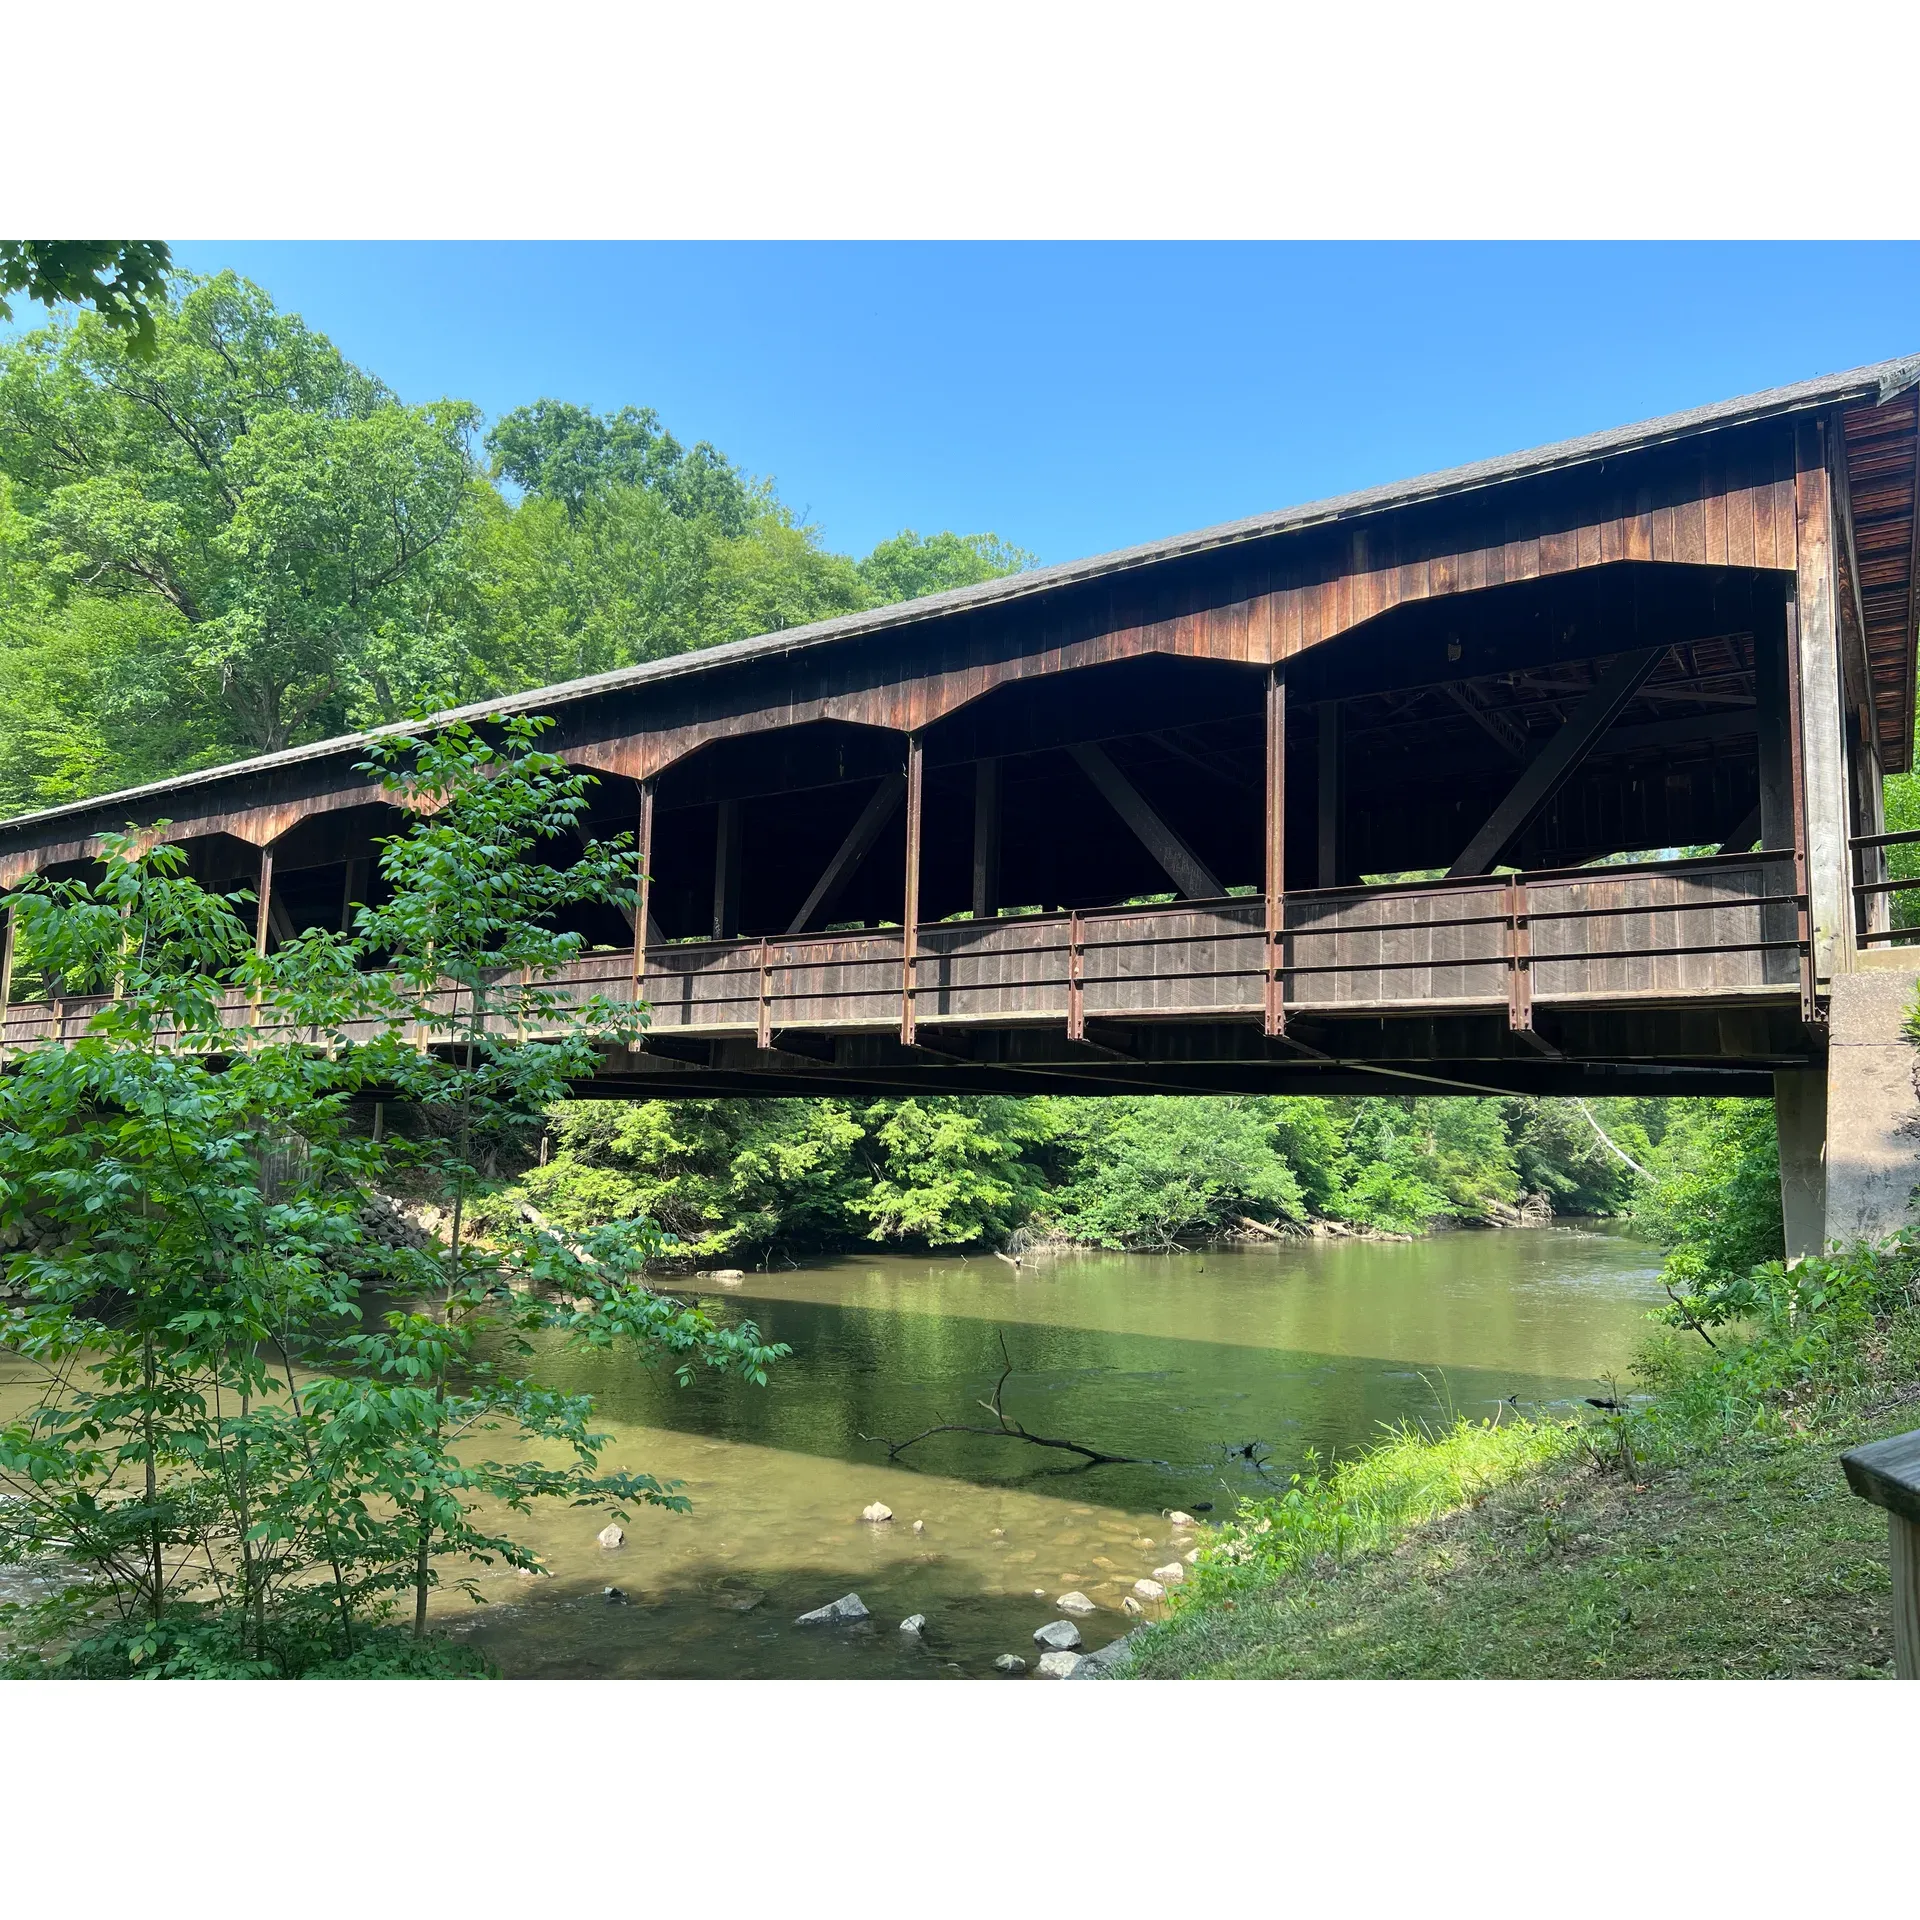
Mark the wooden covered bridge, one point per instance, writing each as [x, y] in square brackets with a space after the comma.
[1557, 773]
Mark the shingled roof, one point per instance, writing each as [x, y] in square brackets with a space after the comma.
[1870, 386]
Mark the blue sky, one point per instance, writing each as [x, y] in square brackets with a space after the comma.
[1075, 398]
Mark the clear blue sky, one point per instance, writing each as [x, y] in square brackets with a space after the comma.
[1075, 398]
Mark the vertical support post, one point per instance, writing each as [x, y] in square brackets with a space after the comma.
[1772, 697]
[986, 839]
[1276, 832]
[1802, 888]
[263, 906]
[763, 1021]
[910, 911]
[6, 968]
[726, 870]
[351, 886]
[1076, 977]
[642, 883]
[1333, 784]
[1822, 704]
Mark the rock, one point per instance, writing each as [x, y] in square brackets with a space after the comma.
[848, 1608]
[1144, 1543]
[1173, 1574]
[727, 1276]
[1039, 1593]
[919, 1526]
[1149, 1589]
[737, 1599]
[611, 1536]
[996, 1533]
[1179, 1519]
[915, 1624]
[614, 1597]
[1074, 1603]
[877, 1514]
[1009, 1663]
[531, 1573]
[1058, 1636]
[1128, 1604]
[1193, 1557]
[1097, 1666]
[1057, 1666]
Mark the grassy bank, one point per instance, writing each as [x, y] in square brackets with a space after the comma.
[1705, 1531]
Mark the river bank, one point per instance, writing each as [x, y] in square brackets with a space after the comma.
[1705, 1531]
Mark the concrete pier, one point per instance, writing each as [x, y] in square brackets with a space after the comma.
[1872, 1146]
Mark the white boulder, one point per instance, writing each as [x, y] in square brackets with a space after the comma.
[1057, 1666]
[915, 1624]
[1009, 1663]
[847, 1608]
[1057, 1636]
[1149, 1589]
[1173, 1574]
[611, 1536]
[876, 1514]
[1128, 1604]
[1179, 1519]
[1074, 1603]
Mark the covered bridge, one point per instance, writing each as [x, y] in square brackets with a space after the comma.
[1556, 773]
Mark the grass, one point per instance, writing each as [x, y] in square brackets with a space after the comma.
[1707, 1533]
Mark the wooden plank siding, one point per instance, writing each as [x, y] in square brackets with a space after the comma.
[1722, 501]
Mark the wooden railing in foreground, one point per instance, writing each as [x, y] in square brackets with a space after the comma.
[1717, 928]
[1887, 1472]
[1874, 892]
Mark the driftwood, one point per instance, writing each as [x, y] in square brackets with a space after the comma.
[1009, 1429]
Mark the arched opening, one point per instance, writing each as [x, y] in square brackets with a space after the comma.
[1408, 734]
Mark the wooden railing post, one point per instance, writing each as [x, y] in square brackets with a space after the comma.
[1076, 978]
[763, 1026]
[1519, 959]
[910, 914]
[263, 904]
[1887, 1472]
[1276, 831]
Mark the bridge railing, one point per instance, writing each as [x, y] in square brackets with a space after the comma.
[1720, 927]
[1874, 891]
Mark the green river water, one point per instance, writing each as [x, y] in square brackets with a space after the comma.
[1311, 1344]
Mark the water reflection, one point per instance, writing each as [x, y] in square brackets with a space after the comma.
[1182, 1360]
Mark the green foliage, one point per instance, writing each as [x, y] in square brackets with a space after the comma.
[1153, 1172]
[756, 1177]
[288, 521]
[908, 567]
[56, 271]
[1362, 1504]
[557, 451]
[1714, 1204]
[260, 1429]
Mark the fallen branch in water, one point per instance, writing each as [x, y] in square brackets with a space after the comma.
[1009, 1429]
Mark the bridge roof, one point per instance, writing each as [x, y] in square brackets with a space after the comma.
[1870, 385]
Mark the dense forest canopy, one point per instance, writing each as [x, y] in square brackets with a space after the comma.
[219, 537]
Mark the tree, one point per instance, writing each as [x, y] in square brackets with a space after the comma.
[53, 271]
[293, 527]
[908, 567]
[556, 451]
[246, 1472]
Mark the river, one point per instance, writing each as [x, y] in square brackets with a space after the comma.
[1188, 1360]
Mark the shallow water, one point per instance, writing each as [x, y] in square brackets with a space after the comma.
[1308, 1345]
